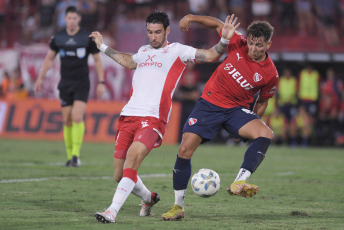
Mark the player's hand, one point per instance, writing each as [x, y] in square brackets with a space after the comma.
[100, 90]
[38, 84]
[184, 24]
[230, 26]
[97, 38]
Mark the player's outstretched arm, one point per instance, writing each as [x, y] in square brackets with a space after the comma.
[213, 54]
[123, 59]
[207, 21]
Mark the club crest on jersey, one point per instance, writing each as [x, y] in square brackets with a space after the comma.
[192, 121]
[257, 77]
[81, 52]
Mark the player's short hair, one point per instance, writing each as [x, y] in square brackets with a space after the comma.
[71, 9]
[260, 29]
[160, 17]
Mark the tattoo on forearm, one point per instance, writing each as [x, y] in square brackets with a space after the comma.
[110, 52]
[220, 48]
[200, 56]
[116, 56]
[121, 58]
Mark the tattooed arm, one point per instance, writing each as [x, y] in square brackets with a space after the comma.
[213, 54]
[125, 60]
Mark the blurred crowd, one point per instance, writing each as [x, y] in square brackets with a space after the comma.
[308, 108]
[28, 21]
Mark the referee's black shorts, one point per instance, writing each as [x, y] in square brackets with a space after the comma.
[72, 91]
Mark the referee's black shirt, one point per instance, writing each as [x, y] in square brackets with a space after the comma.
[74, 51]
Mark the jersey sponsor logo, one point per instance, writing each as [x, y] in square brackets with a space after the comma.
[150, 62]
[239, 56]
[70, 53]
[236, 75]
[257, 77]
[64, 53]
[192, 121]
[150, 58]
[144, 124]
[81, 52]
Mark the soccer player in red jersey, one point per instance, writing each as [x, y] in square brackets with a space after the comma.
[158, 68]
[225, 102]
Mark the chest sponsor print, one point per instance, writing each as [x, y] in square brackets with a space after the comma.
[236, 75]
[150, 62]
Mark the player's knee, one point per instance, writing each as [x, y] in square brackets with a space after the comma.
[267, 133]
[184, 152]
[67, 122]
[77, 119]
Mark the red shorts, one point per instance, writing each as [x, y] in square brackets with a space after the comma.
[147, 130]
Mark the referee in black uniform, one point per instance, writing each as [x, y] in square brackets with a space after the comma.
[73, 45]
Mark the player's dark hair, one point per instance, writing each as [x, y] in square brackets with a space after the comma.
[71, 9]
[260, 29]
[160, 17]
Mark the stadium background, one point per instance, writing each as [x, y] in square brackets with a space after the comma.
[308, 32]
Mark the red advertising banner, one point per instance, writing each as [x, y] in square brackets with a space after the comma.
[42, 119]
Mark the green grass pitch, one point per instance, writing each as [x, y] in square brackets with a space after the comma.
[300, 188]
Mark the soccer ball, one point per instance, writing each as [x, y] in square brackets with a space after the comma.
[205, 182]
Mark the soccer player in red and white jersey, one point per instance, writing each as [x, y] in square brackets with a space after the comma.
[142, 122]
[225, 102]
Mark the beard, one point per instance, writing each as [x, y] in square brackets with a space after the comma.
[156, 44]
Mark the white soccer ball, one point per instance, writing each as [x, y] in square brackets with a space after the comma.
[205, 182]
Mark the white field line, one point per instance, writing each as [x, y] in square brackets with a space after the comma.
[107, 177]
[83, 178]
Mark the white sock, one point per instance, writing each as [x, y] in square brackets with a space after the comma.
[243, 174]
[141, 191]
[179, 196]
[124, 188]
